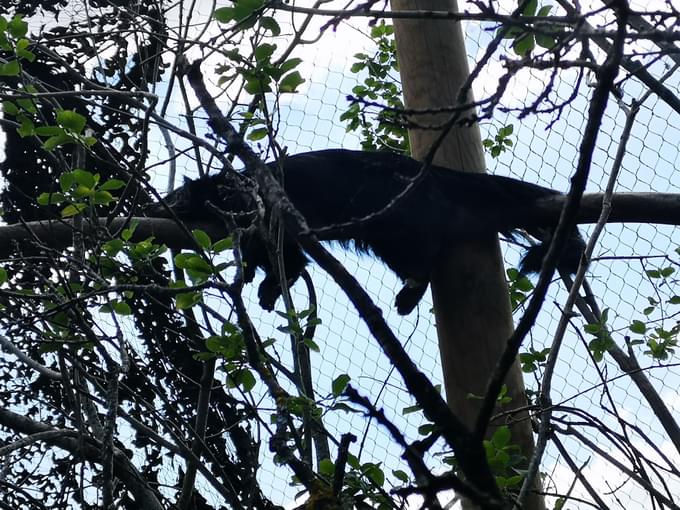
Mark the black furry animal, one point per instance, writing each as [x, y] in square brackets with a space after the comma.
[335, 186]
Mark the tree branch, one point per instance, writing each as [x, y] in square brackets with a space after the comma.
[658, 208]
[90, 450]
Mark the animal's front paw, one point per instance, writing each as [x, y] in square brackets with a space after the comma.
[409, 296]
[268, 293]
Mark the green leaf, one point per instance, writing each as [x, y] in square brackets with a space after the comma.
[311, 345]
[82, 191]
[400, 475]
[214, 343]
[247, 380]
[411, 409]
[339, 384]
[353, 461]
[26, 128]
[264, 52]
[546, 41]
[55, 141]
[245, 8]
[112, 184]
[11, 68]
[71, 120]
[181, 260]
[638, 327]
[112, 247]
[22, 44]
[593, 329]
[10, 108]
[290, 82]
[126, 234]
[196, 263]
[121, 308]
[501, 437]
[85, 178]
[3, 275]
[66, 181]
[529, 367]
[202, 238]
[512, 32]
[377, 31]
[374, 473]
[357, 67]
[204, 356]
[257, 85]
[326, 467]
[529, 8]
[49, 131]
[224, 14]
[359, 90]
[544, 11]
[50, 198]
[524, 44]
[17, 27]
[667, 271]
[103, 197]
[187, 300]
[258, 134]
[506, 131]
[510, 481]
[73, 209]
[225, 244]
[23, 52]
[269, 23]
[289, 65]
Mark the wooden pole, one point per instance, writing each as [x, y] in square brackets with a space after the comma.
[470, 294]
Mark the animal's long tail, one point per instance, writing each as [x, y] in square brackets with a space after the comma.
[569, 258]
[505, 204]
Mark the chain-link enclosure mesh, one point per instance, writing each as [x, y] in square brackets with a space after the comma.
[586, 393]
[545, 151]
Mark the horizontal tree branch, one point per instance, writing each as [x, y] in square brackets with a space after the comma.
[657, 208]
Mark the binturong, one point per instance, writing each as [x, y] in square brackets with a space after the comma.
[355, 190]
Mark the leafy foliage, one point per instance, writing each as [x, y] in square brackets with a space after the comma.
[385, 130]
[524, 40]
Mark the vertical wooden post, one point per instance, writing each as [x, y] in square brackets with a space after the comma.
[470, 294]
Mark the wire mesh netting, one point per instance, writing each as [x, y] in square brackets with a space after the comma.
[601, 421]
[545, 151]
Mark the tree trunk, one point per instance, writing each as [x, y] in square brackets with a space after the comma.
[469, 290]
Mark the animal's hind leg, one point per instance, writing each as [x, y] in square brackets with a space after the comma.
[269, 291]
[294, 261]
[409, 296]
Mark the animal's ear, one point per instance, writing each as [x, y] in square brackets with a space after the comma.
[186, 180]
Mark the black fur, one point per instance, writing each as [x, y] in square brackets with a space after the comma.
[336, 186]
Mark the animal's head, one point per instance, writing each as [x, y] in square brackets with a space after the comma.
[228, 192]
